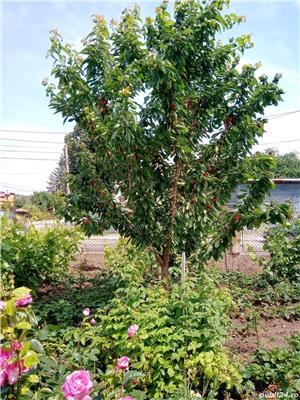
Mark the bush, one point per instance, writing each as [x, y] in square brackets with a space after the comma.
[69, 295]
[283, 245]
[18, 355]
[34, 256]
[179, 346]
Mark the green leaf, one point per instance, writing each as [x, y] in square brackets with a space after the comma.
[20, 292]
[30, 359]
[37, 346]
[23, 325]
[10, 307]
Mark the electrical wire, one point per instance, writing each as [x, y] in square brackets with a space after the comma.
[31, 141]
[274, 116]
[31, 159]
[30, 151]
[16, 187]
[27, 173]
[43, 132]
[22, 146]
[281, 141]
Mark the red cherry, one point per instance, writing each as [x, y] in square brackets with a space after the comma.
[213, 199]
[208, 206]
[206, 174]
[85, 220]
[103, 101]
[172, 106]
[229, 120]
[237, 217]
[105, 110]
[189, 103]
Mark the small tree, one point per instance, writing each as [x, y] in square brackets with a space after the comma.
[57, 178]
[287, 165]
[165, 125]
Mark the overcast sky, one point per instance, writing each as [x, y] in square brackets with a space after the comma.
[25, 40]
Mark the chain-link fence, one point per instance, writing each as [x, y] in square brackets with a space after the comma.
[254, 238]
[98, 243]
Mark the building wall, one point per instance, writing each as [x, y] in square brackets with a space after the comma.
[282, 193]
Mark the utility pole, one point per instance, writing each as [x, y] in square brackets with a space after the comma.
[67, 167]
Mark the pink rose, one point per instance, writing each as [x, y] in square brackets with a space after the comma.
[16, 346]
[132, 330]
[4, 356]
[24, 301]
[2, 304]
[13, 373]
[123, 363]
[10, 372]
[77, 386]
[3, 377]
[93, 321]
[86, 312]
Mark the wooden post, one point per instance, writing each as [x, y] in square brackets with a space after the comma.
[236, 244]
[67, 167]
[183, 267]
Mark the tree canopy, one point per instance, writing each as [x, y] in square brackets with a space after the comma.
[57, 179]
[287, 165]
[165, 125]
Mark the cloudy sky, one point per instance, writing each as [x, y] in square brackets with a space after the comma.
[27, 159]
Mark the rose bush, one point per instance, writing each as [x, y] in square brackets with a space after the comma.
[19, 355]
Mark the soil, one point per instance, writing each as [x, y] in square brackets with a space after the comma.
[243, 342]
[239, 263]
[271, 332]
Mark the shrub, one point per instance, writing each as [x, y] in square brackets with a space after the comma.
[283, 245]
[69, 294]
[34, 256]
[178, 347]
[18, 355]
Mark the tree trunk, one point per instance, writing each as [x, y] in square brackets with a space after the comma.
[164, 266]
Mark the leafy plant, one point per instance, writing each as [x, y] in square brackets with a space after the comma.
[280, 366]
[165, 125]
[284, 250]
[19, 355]
[68, 295]
[34, 256]
[175, 344]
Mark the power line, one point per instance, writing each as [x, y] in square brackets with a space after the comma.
[26, 173]
[43, 132]
[32, 159]
[30, 151]
[17, 186]
[281, 141]
[31, 141]
[33, 147]
[274, 116]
